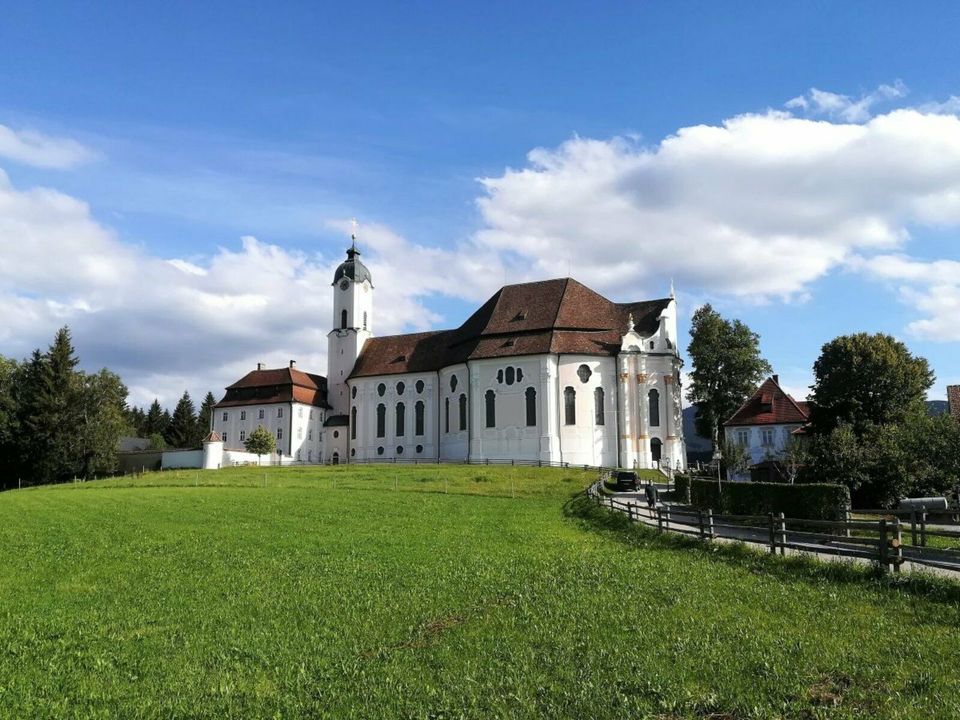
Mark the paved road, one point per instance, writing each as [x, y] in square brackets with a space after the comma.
[940, 562]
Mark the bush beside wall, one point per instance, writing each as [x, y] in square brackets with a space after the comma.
[814, 501]
[681, 489]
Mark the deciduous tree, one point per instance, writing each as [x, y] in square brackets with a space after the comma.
[260, 442]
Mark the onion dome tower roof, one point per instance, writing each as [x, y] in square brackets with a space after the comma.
[352, 267]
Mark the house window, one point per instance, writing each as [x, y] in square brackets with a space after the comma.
[584, 372]
[446, 415]
[309, 455]
[418, 417]
[531, 397]
[401, 413]
[343, 319]
[399, 449]
[353, 392]
[243, 414]
[463, 411]
[491, 403]
[225, 416]
[300, 412]
[653, 400]
[280, 412]
[310, 434]
[224, 438]
[419, 386]
[381, 420]
[279, 433]
[570, 406]
[353, 423]
[260, 414]
[381, 389]
[598, 406]
[300, 433]
[364, 321]
[243, 435]
[311, 415]
[400, 388]
[743, 438]
[766, 437]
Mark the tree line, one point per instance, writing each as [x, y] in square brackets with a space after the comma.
[59, 423]
[869, 427]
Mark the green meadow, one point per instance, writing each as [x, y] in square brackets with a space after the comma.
[435, 592]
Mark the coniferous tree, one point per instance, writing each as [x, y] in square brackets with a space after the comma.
[205, 416]
[183, 426]
[9, 372]
[153, 422]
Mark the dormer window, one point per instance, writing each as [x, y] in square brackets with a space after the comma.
[522, 315]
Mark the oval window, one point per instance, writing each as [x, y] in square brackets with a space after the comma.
[419, 386]
[419, 449]
[584, 372]
[381, 389]
[399, 449]
[353, 392]
[400, 388]
[380, 450]
[336, 434]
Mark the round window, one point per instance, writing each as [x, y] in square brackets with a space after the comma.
[419, 449]
[584, 373]
[380, 450]
[400, 388]
[336, 434]
[399, 449]
[419, 386]
[381, 389]
[353, 392]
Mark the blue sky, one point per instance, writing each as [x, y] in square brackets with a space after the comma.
[138, 136]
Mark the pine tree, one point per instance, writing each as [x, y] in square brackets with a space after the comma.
[183, 427]
[153, 422]
[205, 417]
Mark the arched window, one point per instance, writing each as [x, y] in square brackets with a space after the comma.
[656, 449]
[598, 405]
[364, 320]
[418, 417]
[463, 411]
[453, 383]
[381, 420]
[343, 319]
[491, 403]
[353, 423]
[570, 406]
[446, 415]
[531, 397]
[401, 416]
[654, 400]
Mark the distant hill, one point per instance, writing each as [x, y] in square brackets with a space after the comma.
[934, 407]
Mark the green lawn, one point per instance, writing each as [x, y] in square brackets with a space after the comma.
[425, 592]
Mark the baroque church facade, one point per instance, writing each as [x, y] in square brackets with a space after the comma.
[546, 371]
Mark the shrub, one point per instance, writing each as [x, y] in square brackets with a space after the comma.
[813, 501]
[681, 489]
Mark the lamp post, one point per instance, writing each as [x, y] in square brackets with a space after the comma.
[717, 457]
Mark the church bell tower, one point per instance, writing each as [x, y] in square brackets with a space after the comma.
[352, 325]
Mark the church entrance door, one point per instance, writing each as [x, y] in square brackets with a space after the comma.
[656, 449]
[335, 459]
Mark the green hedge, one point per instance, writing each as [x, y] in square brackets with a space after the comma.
[681, 489]
[814, 501]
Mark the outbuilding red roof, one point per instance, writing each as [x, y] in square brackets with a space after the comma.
[770, 405]
[261, 387]
[550, 316]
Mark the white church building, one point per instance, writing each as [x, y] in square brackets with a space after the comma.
[545, 371]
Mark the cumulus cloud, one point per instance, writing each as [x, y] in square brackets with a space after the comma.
[166, 324]
[760, 206]
[34, 148]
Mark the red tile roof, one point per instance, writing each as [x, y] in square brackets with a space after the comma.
[770, 405]
[261, 387]
[550, 316]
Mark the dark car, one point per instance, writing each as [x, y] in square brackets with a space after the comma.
[625, 480]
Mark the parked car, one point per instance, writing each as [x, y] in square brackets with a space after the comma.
[625, 480]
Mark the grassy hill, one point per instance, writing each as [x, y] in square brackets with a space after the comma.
[434, 592]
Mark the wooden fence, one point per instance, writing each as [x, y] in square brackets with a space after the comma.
[880, 540]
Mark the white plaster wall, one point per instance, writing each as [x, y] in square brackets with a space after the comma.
[454, 443]
[366, 445]
[300, 424]
[511, 438]
[587, 442]
[173, 459]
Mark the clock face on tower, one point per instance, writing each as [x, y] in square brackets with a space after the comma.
[344, 284]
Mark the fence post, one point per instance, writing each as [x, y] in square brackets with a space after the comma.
[700, 520]
[847, 517]
[897, 542]
[913, 527]
[773, 535]
[923, 528]
[659, 512]
[783, 533]
[630, 512]
[666, 524]
[883, 547]
[710, 523]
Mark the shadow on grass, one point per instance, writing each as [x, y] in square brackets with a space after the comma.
[618, 527]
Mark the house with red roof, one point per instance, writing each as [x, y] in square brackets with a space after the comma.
[764, 425]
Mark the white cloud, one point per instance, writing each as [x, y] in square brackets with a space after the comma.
[760, 206]
[844, 107]
[34, 148]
